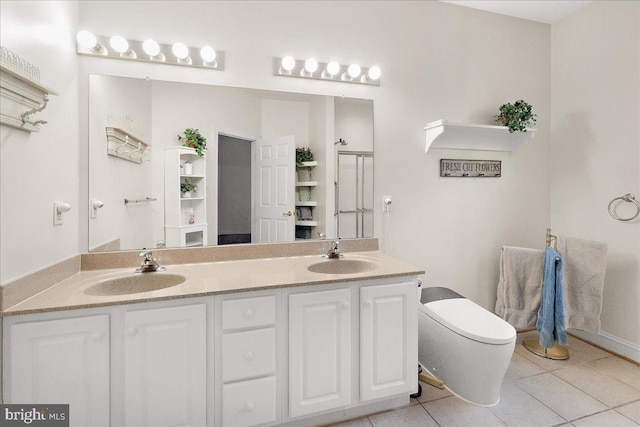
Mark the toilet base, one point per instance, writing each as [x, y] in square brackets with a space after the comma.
[557, 352]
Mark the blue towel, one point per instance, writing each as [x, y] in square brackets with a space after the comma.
[550, 322]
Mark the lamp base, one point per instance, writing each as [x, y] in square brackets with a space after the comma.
[557, 352]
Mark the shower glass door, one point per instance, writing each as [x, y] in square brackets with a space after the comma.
[354, 194]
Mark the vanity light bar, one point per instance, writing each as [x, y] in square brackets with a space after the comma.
[118, 47]
[332, 71]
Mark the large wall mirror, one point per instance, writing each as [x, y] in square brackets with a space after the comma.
[248, 188]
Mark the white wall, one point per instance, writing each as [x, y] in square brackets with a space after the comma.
[40, 168]
[125, 104]
[596, 147]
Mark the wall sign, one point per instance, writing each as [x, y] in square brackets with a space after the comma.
[470, 168]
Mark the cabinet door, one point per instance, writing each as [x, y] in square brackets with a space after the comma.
[388, 340]
[165, 366]
[62, 361]
[319, 351]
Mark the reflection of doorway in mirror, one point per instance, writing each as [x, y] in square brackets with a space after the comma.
[355, 194]
[234, 190]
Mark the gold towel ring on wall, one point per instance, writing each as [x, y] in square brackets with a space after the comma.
[627, 198]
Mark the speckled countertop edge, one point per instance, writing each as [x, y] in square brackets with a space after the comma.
[204, 279]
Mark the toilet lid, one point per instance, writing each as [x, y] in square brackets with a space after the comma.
[467, 318]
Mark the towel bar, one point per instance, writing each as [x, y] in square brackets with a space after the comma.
[627, 198]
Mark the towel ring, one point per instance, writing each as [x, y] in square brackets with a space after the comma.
[627, 198]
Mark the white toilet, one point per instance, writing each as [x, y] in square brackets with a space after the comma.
[464, 345]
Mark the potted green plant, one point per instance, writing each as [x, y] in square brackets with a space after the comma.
[186, 187]
[192, 138]
[517, 116]
[303, 155]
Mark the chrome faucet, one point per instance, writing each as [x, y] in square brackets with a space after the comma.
[334, 251]
[149, 264]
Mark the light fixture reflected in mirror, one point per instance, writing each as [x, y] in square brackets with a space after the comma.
[310, 69]
[118, 47]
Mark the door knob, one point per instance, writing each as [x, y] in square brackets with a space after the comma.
[288, 213]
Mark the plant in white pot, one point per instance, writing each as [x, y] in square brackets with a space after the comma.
[187, 187]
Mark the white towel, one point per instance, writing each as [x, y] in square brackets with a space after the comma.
[520, 286]
[585, 263]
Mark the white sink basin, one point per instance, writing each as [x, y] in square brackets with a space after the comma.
[342, 266]
[135, 284]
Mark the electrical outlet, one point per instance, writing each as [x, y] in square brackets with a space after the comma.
[386, 203]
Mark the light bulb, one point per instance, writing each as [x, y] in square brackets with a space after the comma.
[353, 70]
[333, 68]
[151, 47]
[119, 44]
[288, 63]
[87, 39]
[208, 54]
[374, 73]
[310, 65]
[180, 50]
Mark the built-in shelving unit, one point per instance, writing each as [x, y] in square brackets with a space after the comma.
[21, 97]
[178, 231]
[304, 185]
[463, 136]
[125, 145]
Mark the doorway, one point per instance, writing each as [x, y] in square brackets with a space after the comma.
[234, 190]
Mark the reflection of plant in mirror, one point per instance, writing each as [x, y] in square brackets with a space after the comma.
[517, 116]
[187, 186]
[193, 139]
[303, 155]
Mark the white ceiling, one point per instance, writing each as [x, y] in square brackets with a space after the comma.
[548, 12]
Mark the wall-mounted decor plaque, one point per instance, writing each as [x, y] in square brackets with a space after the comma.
[470, 168]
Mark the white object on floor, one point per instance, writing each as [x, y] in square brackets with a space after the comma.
[464, 345]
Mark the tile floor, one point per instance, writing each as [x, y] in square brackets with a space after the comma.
[591, 388]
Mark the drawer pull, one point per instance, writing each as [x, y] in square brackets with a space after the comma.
[249, 407]
[249, 314]
[131, 332]
[249, 356]
[96, 336]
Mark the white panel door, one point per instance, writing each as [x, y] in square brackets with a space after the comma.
[165, 367]
[62, 361]
[388, 340]
[319, 351]
[275, 190]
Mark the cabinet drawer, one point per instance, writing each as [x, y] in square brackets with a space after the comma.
[249, 403]
[248, 354]
[248, 312]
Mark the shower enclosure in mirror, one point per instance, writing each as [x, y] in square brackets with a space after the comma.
[243, 190]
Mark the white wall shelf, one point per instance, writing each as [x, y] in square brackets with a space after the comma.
[20, 97]
[124, 145]
[303, 223]
[463, 136]
[306, 183]
[306, 203]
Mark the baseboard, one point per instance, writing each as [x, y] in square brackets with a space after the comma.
[611, 343]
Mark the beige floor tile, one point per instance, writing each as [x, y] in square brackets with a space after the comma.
[452, 412]
[561, 397]
[518, 408]
[358, 422]
[599, 385]
[609, 419]
[582, 351]
[412, 416]
[631, 411]
[521, 367]
[430, 393]
[619, 369]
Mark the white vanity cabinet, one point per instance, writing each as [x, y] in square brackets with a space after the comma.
[246, 365]
[388, 340]
[165, 366]
[60, 361]
[319, 351]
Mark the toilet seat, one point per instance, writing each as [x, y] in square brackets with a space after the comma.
[468, 319]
